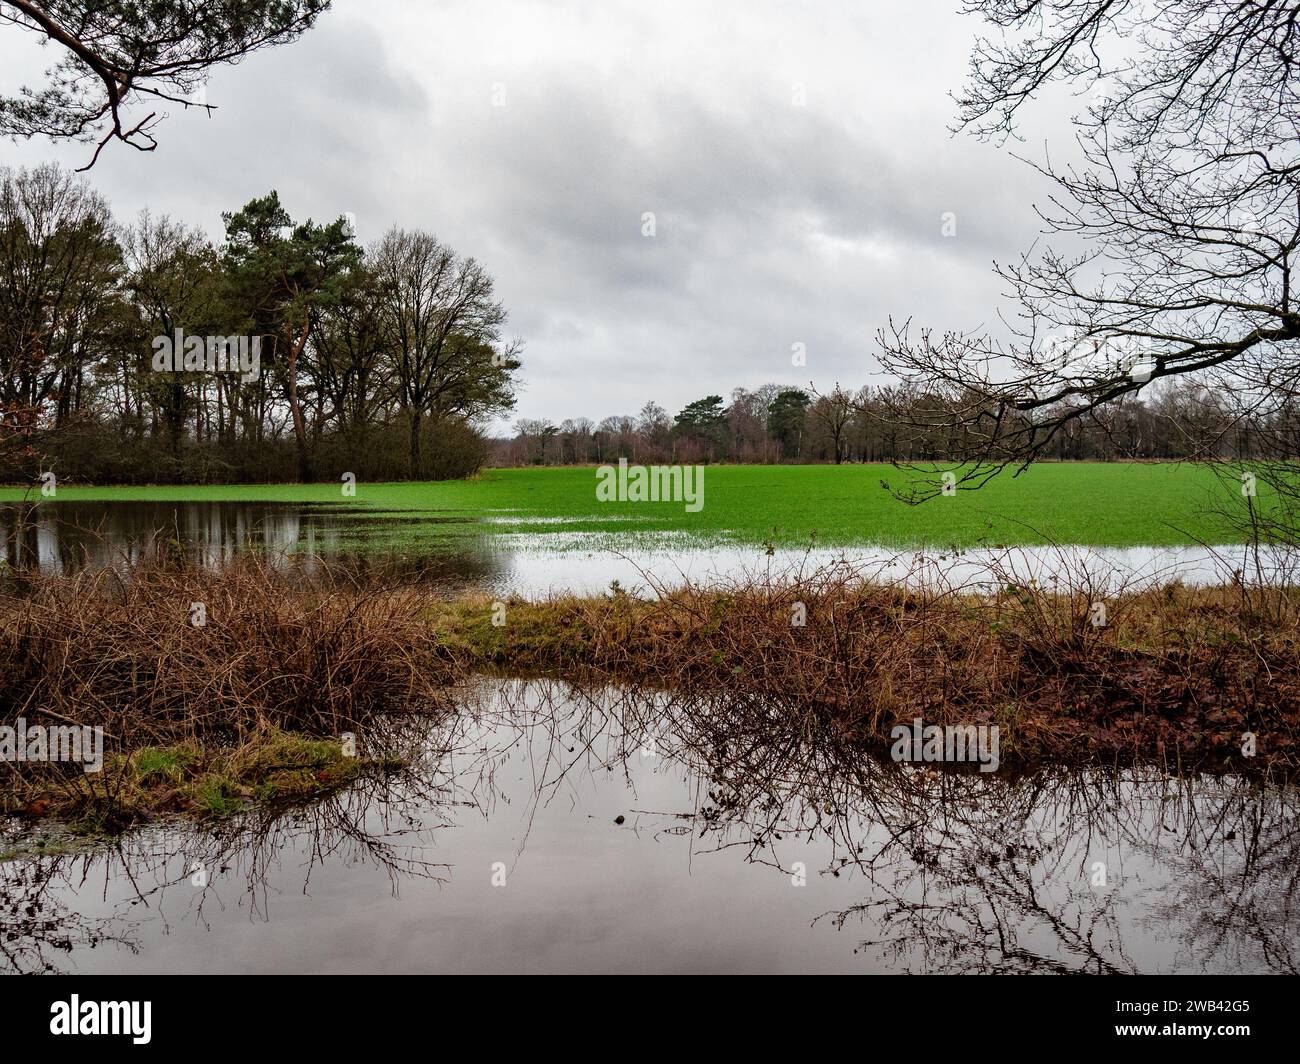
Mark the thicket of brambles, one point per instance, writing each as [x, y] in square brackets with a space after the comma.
[1171, 419]
[377, 361]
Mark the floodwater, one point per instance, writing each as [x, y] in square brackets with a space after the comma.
[743, 847]
[460, 554]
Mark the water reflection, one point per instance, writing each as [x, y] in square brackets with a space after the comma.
[61, 537]
[460, 554]
[500, 851]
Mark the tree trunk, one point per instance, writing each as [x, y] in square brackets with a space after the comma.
[299, 424]
[415, 445]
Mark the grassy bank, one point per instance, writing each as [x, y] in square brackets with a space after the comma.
[203, 710]
[198, 778]
[251, 705]
[1113, 504]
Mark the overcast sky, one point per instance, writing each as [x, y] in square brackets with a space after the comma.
[796, 157]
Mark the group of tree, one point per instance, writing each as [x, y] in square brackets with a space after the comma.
[1172, 419]
[378, 361]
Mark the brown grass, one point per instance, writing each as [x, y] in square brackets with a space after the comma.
[275, 657]
[274, 652]
[1177, 675]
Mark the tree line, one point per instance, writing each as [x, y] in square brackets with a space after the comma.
[1177, 418]
[378, 361]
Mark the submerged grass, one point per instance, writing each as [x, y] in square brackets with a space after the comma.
[1119, 504]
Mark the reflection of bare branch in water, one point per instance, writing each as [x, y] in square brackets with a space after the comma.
[965, 872]
[994, 876]
[959, 872]
[34, 933]
[382, 821]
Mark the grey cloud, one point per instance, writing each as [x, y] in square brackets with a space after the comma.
[775, 223]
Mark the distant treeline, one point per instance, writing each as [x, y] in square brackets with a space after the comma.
[1170, 419]
[142, 352]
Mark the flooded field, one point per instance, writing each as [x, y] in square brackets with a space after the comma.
[462, 554]
[542, 827]
[548, 828]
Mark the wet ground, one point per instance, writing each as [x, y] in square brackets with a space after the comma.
[459, 554]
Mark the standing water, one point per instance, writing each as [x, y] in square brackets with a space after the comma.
[459, 554]
[547, 828]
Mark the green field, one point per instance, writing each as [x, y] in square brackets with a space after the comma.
[1094, 504]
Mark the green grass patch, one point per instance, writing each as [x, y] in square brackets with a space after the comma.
[276, 768]
[1097, 504]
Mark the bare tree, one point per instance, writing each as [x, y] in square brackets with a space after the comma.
[170, 279]
[833, 413]
[443, 323]
[346, 357]
[1180, 219]
[59, 276]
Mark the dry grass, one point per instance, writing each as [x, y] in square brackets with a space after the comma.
[1176, 676]
[274, 658]
[274, 653]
